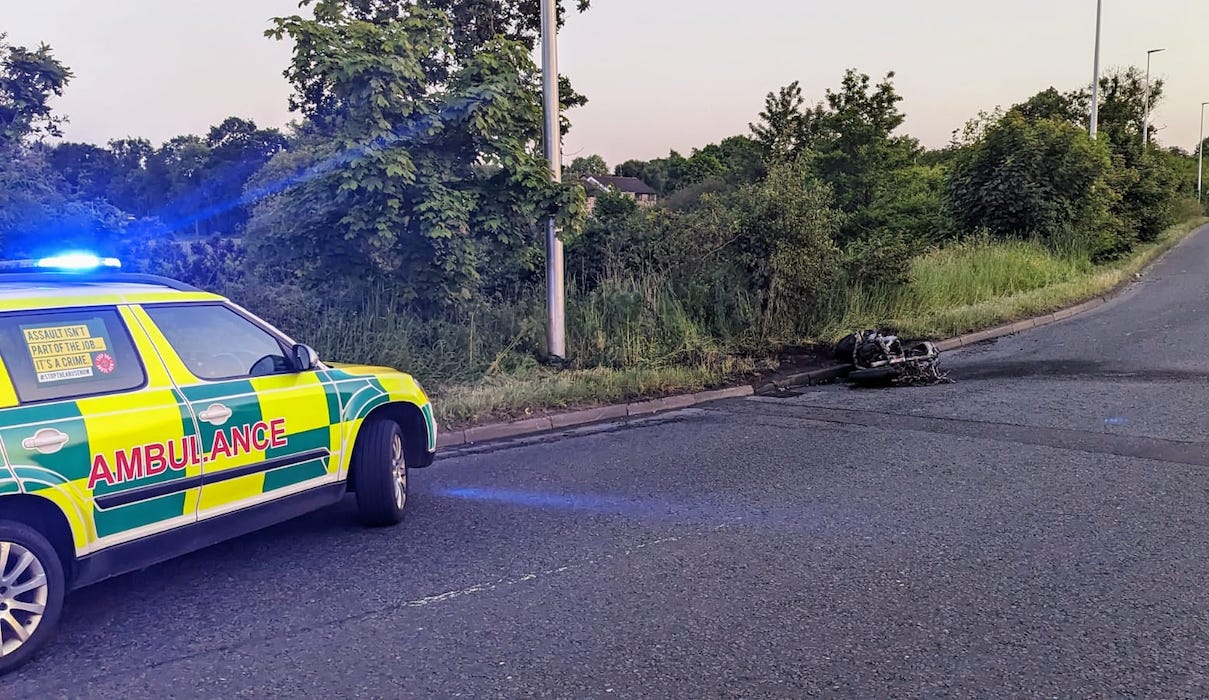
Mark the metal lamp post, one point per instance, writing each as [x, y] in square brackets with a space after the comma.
[1095, 80]
[556, 336]
[1146, 119]
[1200, 159]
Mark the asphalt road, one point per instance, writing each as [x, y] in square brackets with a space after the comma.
[1036, 529]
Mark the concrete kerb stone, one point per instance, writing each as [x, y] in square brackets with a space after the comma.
[451, 438]
[664, 404]
[498, 431]
[558, 421]
[591, 415]
[736, 392]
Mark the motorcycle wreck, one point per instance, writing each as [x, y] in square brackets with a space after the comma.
[883, 359]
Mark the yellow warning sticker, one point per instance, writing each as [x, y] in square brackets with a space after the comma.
[68, 352]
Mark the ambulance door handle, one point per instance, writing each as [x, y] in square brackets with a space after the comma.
[47, 441]
[215, 414]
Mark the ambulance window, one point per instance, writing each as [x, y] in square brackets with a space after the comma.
[69, 354]
[215, 342]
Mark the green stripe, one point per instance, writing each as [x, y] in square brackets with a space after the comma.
[72, 462]
[245, 410]
[288, 476]
[112, 522]
[218, 390]
[25, 474]
[8, 486]
[347, 386]
[430, 425]
[360, 405]
[332, 391]
[305, 441]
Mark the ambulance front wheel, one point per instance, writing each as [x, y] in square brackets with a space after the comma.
[380, 472]
[31, 593]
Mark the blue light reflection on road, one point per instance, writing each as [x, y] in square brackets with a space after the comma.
[810, 517]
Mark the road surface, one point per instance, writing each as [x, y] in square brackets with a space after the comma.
[1038, 528]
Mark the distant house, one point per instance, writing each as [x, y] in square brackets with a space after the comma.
[631, 187]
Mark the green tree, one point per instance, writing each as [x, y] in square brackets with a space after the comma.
[1123, 107]
[785, 129]
[476, 25]
[788, 227]
[429, 181]
[37, 215]
[859, 151]
[1069, 107]
[28, 81]
[1046, 178]
[237, 150]
[652, 172]
[87, 170]
[588, 165]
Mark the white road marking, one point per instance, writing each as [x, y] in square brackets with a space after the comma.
[515, 580]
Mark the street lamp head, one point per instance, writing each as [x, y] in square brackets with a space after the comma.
[1155, 51]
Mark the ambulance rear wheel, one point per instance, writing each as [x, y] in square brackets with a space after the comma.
[31, 593]
[380, 472]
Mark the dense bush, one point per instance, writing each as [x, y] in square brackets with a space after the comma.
[1034, 178]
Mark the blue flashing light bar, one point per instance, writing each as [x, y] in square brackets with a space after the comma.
[78, 262]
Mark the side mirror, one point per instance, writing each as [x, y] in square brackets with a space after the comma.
[305, 358]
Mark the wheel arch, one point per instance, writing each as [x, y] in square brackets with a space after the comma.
[47, 518]
[412, 421]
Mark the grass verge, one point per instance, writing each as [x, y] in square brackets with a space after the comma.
[954, 290]
[544, 391]
[972, 286]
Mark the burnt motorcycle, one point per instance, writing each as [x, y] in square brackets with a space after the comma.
[881, 358]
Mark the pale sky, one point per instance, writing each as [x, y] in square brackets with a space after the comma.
[660, 74]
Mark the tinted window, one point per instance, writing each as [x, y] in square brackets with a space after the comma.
[216, 342]
[64, 354]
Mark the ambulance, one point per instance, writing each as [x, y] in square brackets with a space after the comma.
[142, 418]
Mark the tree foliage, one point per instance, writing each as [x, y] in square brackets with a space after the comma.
[410, 175]
[28, 81]
[785, 129]
[859, 151]
[734, 161]
[1043, 177]
[587, 165]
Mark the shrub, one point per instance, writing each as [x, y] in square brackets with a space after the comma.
[1038, 178]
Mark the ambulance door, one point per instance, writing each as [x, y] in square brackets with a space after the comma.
[265, 429]
[99, 428]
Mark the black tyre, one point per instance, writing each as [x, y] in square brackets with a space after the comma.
[875, 376]
[31, 593]
[380, 472]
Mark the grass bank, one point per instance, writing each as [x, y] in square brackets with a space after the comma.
[972, 286]
[956, 289]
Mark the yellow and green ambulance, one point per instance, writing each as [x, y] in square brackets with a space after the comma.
[141, 418]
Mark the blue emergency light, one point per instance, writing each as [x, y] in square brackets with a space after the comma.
[64, 263]
[78, 262]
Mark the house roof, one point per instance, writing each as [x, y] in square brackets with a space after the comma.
[629, 185]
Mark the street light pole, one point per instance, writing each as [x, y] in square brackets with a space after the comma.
[1095, 80]
[1200, 159]
[1146, 119]
[556, 337]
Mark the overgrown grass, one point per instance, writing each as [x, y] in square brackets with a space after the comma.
[970, 286]
[540, 390]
